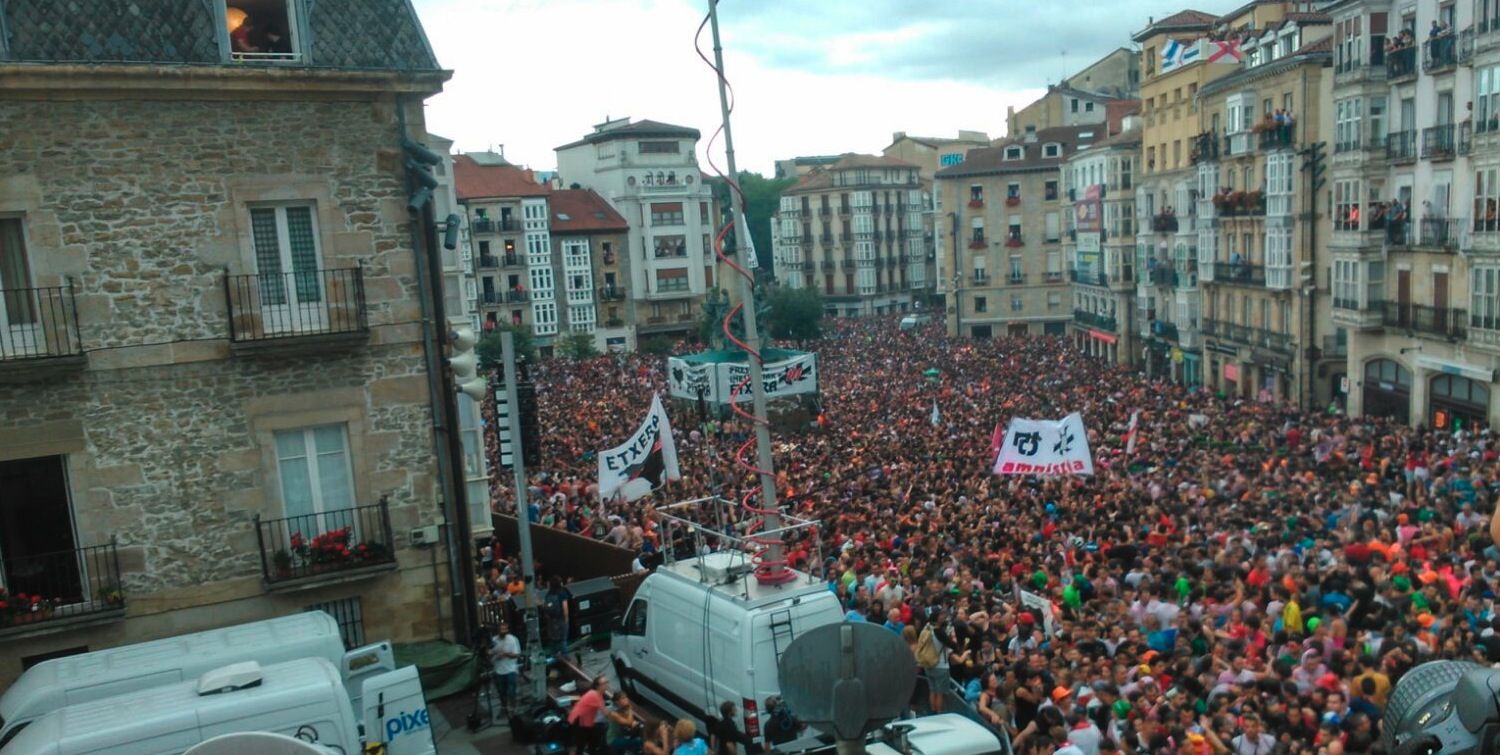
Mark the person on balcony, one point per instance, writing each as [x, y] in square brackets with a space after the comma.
[1397, 222]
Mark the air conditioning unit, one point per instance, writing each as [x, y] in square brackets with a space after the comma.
[424, 535]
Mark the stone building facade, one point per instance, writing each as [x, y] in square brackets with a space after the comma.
[213, 347]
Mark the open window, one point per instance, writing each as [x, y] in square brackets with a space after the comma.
[262, 30]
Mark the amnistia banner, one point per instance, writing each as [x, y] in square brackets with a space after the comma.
[785, 378]
[1045, 447]
[642, 464]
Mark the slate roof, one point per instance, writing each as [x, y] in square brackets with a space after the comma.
[990, 160]
[637, 130]
[341, 34]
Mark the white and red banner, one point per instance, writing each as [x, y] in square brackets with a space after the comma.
[1045, 447]
[643, 463]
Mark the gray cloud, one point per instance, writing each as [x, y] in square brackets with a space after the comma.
[1003, 43]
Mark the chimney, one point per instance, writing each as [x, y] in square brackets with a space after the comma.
[898, 136]
[1030, 137]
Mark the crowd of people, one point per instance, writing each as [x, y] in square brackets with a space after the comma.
[1250, 578]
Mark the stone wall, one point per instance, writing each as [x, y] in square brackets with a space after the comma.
[168, 431]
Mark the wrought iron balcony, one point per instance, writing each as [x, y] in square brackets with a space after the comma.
[1400, 64]
[1248, 335]
[310, 303]
[1095, 320]
[491, 297]
[1239, 273]
[488, 262]
[1276, 137]
[47, 591]
[1401, 146]
[37, 325]
[1164, 330]
[1440, 233]
[1446, 322]
[1440, 53]
[1438, 143]
[1205, 147]
[517, 296]
[325, 546]
[484, 225]
[1164, 223]
[613, 293]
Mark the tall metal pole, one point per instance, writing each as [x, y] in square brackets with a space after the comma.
[773, 557]
[535, 660]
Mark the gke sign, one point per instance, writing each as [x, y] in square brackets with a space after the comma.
[406, 723]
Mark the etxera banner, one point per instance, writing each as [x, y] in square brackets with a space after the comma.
[643, 463]
[1045, 447]
[785, 378]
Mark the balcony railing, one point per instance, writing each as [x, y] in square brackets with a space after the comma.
[488, 262]
[1205, 147]
[1440, 233]
[1438, 143]
[1164, 223]
[1248, 335]
[269, 306]
[1447, 321]
[1013, 239]
[517, 296]
[828, 266]
[1466, 46]
[1401, 63]
[38, 323]
[1162, 276]
[1276, 137]
[614, 293]
[1164, 330]
[1015, 279]
[1240, 273]
[1095, 320]
[49, 588]
[1052, 276]
[484, 225]
[977, 242]
[981, 278]
[1239, 204]
[1401, 146]
[1440, 53]
[491, 297]
[331, 543]
[1089, 277]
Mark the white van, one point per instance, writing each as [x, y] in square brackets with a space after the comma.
[914, 321]
[304, 698]
[74, 679]
[703, 631]
[941, 734]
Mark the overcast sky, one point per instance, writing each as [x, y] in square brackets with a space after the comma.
[812, 76]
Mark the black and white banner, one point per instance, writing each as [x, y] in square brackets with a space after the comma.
[685, 379]
[642, 464]
[785, 378]
[1045, 447]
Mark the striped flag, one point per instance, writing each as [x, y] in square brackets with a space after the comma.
[936, 418]
[1130, 432]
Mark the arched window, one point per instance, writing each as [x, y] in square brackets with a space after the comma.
[1387, 371]
[1461, 389]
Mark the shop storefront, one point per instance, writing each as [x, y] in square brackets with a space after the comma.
[1457, 403]
[1387, 390]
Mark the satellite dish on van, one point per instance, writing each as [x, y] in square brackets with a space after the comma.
[847, 679]
[258, 742]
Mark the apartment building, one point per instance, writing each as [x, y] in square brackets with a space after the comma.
[1414, 241]
[548, 259]
[214, 405]
[855, 231]
[1265, 316]
[931, 154]
[648, 171]
[1167, 301]
[1099, 204]
[1004, 226]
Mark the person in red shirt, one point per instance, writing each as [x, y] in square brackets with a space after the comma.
[587, 716]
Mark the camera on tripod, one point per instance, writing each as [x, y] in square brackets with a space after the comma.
[1452, 707]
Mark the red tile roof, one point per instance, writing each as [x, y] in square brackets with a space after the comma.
[1185, 19]
[852, 160]
[474, 181]
[585, 212]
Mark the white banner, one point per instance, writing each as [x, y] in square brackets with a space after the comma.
[1043, 606]
[684, 378]
[643, 463]
[1045, 447]
[785, 378]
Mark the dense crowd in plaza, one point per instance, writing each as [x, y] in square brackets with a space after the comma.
[1251, 578]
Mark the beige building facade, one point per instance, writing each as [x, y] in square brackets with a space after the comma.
[1001, 211]
[856, 231]
[1099, 204]
[214, 405]
[1265, 312]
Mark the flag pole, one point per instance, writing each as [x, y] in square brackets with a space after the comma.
[774, 559]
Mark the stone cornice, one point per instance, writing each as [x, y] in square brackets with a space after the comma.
[83, 80]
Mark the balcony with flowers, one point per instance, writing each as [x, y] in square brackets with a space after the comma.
[312, 550]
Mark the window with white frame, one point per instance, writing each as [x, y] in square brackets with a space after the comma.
[1484, 298]
[1051, 150]
[1347, 115]
[1346, 284]
[316, 478]
[1487, 99]
[1486, 200]
[1279, 177]
[541, 281]
[1279, 258]
[1346, 210]
[1017, 272]
[581, 318]
[1374, 282]
[1014, 153]
[544, 318]
[1017, 304]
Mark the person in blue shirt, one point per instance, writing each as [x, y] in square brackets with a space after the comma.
[857, 613]
[893, 621]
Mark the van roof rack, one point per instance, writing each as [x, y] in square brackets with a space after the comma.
[727, 541]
